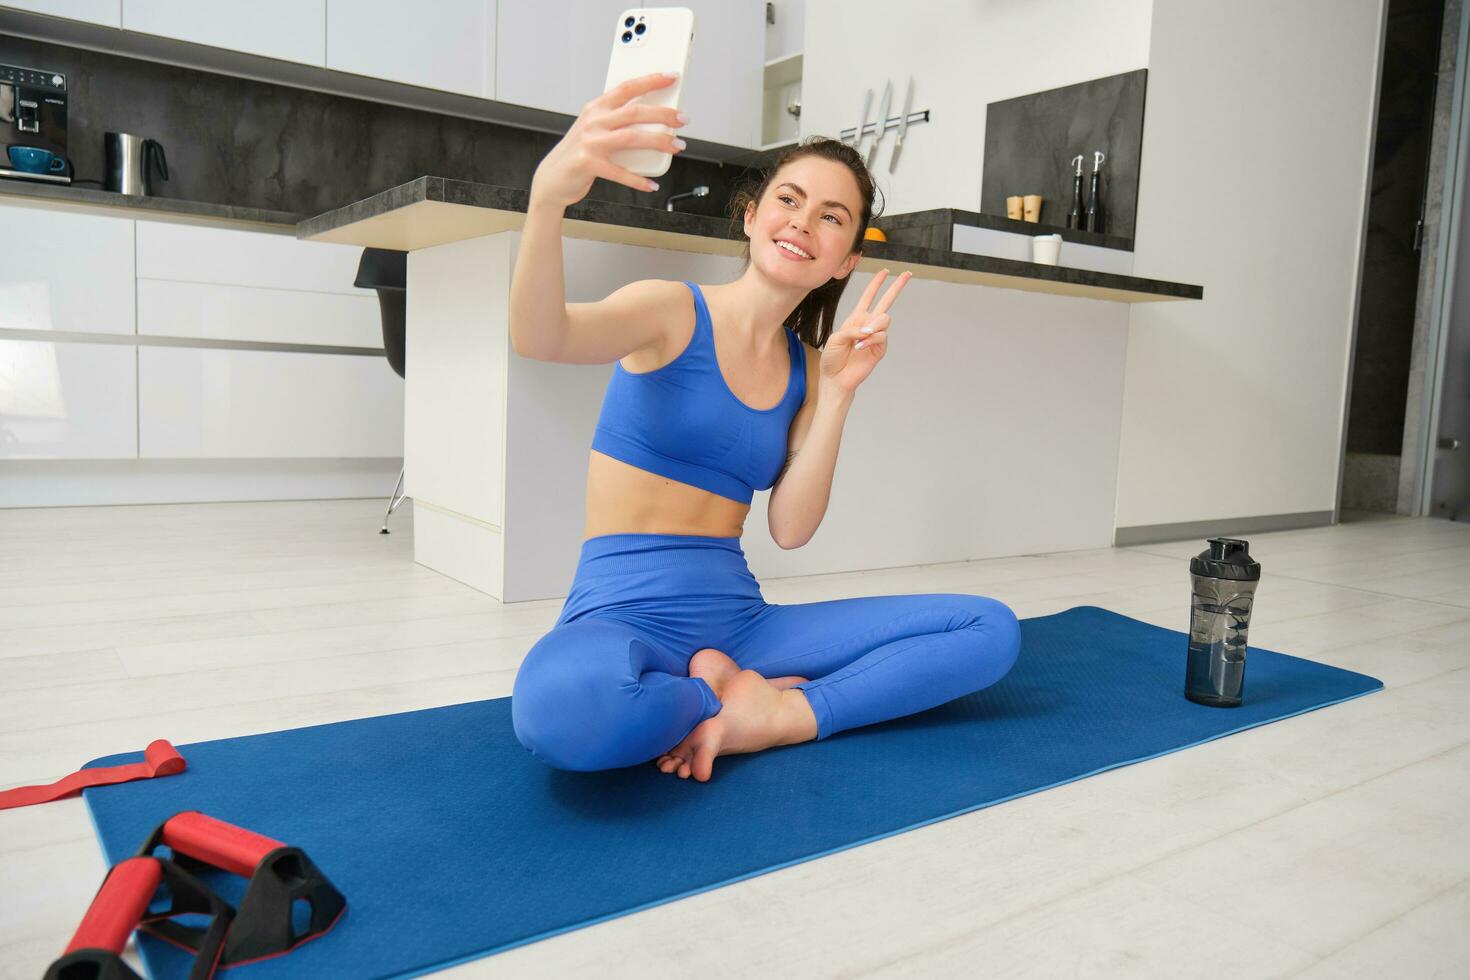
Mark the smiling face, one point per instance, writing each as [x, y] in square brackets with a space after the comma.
[812, 203]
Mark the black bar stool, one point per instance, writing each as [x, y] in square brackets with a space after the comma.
[386, 271]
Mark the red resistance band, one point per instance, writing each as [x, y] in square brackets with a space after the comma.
[160, 759]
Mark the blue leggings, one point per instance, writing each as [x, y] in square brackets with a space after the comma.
[609, 685]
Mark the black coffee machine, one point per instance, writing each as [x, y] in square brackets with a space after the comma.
[33, 119]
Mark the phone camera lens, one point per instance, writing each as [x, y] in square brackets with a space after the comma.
[640, 29]
[627, 36]
[628, 22]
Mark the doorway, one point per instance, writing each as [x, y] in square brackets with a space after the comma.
[1391, 293]
[1446, 455]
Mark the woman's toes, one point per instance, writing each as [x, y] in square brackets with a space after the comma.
[704, 764]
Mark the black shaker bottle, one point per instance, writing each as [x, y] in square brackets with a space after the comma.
[1224, 582]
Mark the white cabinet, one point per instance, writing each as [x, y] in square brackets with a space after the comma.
[105, 12]
[66, 272]
[89, 397]
[291, 30]
[550, 66]
[67, 401]
[275, 316]
[783, 69]
[785, 34]
[227, 284]
[449, 45]
[552, 56]
[521, 52]
[236, 404]
[186, 253]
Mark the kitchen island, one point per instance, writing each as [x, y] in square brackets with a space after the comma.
[991, 427]
[433, 211]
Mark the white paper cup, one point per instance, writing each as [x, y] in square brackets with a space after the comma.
[1046, 249]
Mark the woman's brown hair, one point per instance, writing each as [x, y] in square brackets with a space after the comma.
[814, 316]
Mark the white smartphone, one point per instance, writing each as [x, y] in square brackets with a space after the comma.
[649, 40]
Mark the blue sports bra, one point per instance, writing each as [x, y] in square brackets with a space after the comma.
[683, 422]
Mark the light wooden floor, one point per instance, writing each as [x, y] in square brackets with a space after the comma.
[1328, 845]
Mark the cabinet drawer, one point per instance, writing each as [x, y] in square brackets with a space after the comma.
[288, 316]
[229, 404]
[67, 401]
[230, 257]
[63, 271]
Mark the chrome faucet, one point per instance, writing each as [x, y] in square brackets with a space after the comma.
[699, 191]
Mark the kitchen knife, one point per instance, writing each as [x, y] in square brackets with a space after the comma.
[857, 138]
[903, 124]
[882, 119]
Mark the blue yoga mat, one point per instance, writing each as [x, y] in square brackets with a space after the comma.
[451, 842]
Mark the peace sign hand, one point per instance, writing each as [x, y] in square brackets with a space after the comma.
[852, 351]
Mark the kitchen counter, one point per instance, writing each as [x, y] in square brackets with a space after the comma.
[91, 200]
[933, 228]
[436, 211]
[993, 402]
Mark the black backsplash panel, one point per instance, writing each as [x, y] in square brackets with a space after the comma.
[1030, 142]
[248, 143]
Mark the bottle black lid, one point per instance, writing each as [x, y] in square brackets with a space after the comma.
[1227, 558]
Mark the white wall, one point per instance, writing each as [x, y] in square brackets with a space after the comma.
[1256, 141]
[1256, 145]
[962, 56]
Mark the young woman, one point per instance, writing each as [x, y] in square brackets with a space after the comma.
[665, 650]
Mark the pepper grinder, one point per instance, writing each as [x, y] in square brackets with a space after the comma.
[1094, 203]
[1074, 216]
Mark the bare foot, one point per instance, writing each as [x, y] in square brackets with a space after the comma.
[718, 669]
[755, 716]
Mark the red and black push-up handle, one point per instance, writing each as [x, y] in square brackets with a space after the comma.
[121, 905]
[279, 876]
[262, 927]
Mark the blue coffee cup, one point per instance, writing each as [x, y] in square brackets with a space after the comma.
[34, 160]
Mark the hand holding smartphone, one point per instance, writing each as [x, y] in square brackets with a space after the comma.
[626, 133]
[649, 40]
[585, 153]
